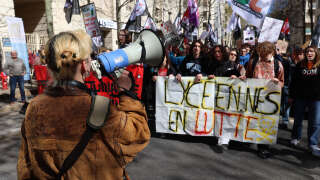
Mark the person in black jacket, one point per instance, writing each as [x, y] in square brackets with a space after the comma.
[192, 65]
[223, 64]
[284, 113]
[305, 90]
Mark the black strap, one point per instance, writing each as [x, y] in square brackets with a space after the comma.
[254, 63]
[85, 138]
[143, 52]
[76, 152]
[276, 67]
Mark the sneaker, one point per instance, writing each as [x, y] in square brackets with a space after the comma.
[294, 142]
[315, 147]
[219, 148]
[283, 126]
[315, 150]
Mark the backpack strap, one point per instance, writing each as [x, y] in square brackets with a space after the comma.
[96, 119]
[276, 67]
[252, 65]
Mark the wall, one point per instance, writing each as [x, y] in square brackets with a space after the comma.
[6, 9]
[59, 22]
[33, 16]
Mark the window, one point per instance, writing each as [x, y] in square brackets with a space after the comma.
[205, 15]
[308, 30]
[205, 25]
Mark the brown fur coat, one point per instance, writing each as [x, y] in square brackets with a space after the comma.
[54, 125]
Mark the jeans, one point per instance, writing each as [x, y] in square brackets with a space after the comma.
[13, 83]
[285, 107]
[313, 120]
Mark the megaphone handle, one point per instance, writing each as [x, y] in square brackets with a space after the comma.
[143, 52]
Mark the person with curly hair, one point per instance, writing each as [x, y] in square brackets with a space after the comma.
[265, 65]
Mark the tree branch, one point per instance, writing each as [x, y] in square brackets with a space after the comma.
[124, 4]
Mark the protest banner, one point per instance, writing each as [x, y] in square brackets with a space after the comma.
[270, 30]
[103, 87]
[169, 32]
[18, 41]
[249, 36]
[253, 11]
[246, 111]
[91, 23]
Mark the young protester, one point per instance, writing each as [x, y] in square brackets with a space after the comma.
[244, 55]
[226, 49]
[55, 131]
[224, 65]
[284, 112]
[264, 65]
[305, 91]
[192, 65]
[176, 56]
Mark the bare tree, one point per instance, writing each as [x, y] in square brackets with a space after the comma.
[296, 16]
[294, 10]
[48, 6]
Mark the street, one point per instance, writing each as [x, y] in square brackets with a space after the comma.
[182, 157]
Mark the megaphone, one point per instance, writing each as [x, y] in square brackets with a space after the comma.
[148, 49]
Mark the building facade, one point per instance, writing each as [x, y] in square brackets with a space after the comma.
[43, 18]
[312, 7]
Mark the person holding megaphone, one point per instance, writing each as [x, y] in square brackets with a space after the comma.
[69, 132]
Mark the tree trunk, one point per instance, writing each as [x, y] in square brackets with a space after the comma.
[311, 15]
[118, 20]
[296, 16]
[48, 4]
[154, 8]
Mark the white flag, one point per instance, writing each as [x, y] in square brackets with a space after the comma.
[177, 24]
[253, 11]
[134, 22]
[139, 9]
[232, 23]
[150, 24]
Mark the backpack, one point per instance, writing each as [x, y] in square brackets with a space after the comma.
[276, 66]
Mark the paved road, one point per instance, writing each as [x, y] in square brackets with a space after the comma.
[193, 158]
[181, 157]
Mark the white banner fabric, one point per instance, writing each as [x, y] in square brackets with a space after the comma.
[18, 41]
[253, 11]
[246, 111]
[270, 30]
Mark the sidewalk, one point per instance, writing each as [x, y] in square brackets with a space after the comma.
[10, 118]
[10, 124]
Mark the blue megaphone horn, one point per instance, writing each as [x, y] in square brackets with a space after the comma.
[148, 49]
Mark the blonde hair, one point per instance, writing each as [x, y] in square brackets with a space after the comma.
[65, 51]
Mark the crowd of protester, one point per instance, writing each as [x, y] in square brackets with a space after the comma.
[297, 72]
